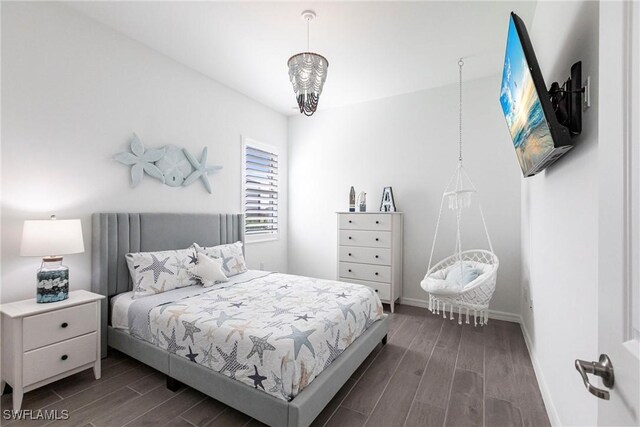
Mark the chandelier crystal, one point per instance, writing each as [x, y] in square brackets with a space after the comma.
[308, 72]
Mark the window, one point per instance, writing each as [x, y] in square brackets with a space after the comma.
[259, 190]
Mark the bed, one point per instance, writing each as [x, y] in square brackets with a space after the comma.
[279, 346]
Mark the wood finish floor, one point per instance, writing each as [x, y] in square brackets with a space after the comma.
[432, 372]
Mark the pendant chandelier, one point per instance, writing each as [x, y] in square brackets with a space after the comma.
[307, 72]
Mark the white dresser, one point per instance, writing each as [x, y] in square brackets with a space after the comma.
[42, 343]
[370, 252]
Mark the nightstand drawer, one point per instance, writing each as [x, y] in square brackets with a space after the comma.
[55, 359]
[374, 239]
[58, 325]
[374, 273]
[378, 256]
[383, 290]
[365, 222]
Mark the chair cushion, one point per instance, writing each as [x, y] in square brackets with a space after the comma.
[440, 287]
[438, 284]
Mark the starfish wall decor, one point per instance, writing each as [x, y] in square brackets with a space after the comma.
[171, 165]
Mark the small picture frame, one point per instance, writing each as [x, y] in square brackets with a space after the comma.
[387, 204]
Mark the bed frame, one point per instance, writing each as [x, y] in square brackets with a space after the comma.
[116, 234]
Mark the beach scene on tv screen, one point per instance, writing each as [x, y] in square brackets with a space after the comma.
[521, 106]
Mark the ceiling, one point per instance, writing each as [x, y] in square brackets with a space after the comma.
[375, 49]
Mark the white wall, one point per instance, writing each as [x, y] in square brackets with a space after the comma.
[73, 91]
[560, 225]
[408, 142]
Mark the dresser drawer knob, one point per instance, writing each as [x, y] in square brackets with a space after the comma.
[349, 253]
[64, 325]
[349, 270]
[377, 256]
[376, 290]
[350, 221]
[377, 240]
[349, 237]
[64, 357]
[376, 273]
[377, 222]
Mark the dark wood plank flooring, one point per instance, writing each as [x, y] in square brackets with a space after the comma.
[432, 372]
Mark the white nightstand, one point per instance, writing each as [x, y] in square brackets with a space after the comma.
[42, 343]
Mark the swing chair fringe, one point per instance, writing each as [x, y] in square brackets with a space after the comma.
[480, 315]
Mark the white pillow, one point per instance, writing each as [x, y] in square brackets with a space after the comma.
[208, 271]
[462, 275]
[231, 255]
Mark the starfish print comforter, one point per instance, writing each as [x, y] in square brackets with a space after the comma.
[274, 332]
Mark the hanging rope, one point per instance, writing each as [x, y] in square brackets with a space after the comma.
[473, 299]
[308, 21]
[458, 200]
[460, 195]
[460, 64]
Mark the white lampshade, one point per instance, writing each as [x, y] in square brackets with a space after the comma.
[52, 237]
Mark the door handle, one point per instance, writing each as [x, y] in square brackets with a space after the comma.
[603, 369]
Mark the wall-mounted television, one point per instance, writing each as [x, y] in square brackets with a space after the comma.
[541, 121]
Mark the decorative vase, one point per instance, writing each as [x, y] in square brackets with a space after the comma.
[53, 281]
[362, 201]
[352, 200]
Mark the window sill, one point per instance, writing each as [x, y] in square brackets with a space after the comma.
[260, 239]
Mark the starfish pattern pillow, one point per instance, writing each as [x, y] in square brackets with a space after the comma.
[233, 262]
[156, 272]
[208, 271]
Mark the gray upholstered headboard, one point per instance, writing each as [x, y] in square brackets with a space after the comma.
[116, 234]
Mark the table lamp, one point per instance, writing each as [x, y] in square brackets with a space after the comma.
[51, 239]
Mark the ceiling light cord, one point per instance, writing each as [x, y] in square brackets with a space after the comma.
[460, 64]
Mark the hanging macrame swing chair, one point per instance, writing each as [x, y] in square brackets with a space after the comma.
[466, 280]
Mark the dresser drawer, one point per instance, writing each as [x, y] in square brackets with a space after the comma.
[55, 359]
[374, 239]
[378, 256]
[382, 289]
[374, 273]
[365, 222]
[58, 325]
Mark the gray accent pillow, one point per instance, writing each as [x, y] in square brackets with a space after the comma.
[162, 271]
[233, 262]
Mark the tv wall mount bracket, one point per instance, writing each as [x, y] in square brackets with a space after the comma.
[568, 101]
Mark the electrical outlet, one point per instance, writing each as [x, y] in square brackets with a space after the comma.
[586, 96]
[262, 265]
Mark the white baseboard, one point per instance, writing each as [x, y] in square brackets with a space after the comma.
[493, 314]
[552, 413]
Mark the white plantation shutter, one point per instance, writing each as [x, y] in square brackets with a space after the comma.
[260, 190]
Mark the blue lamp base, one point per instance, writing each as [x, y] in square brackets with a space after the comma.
[53, 281]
